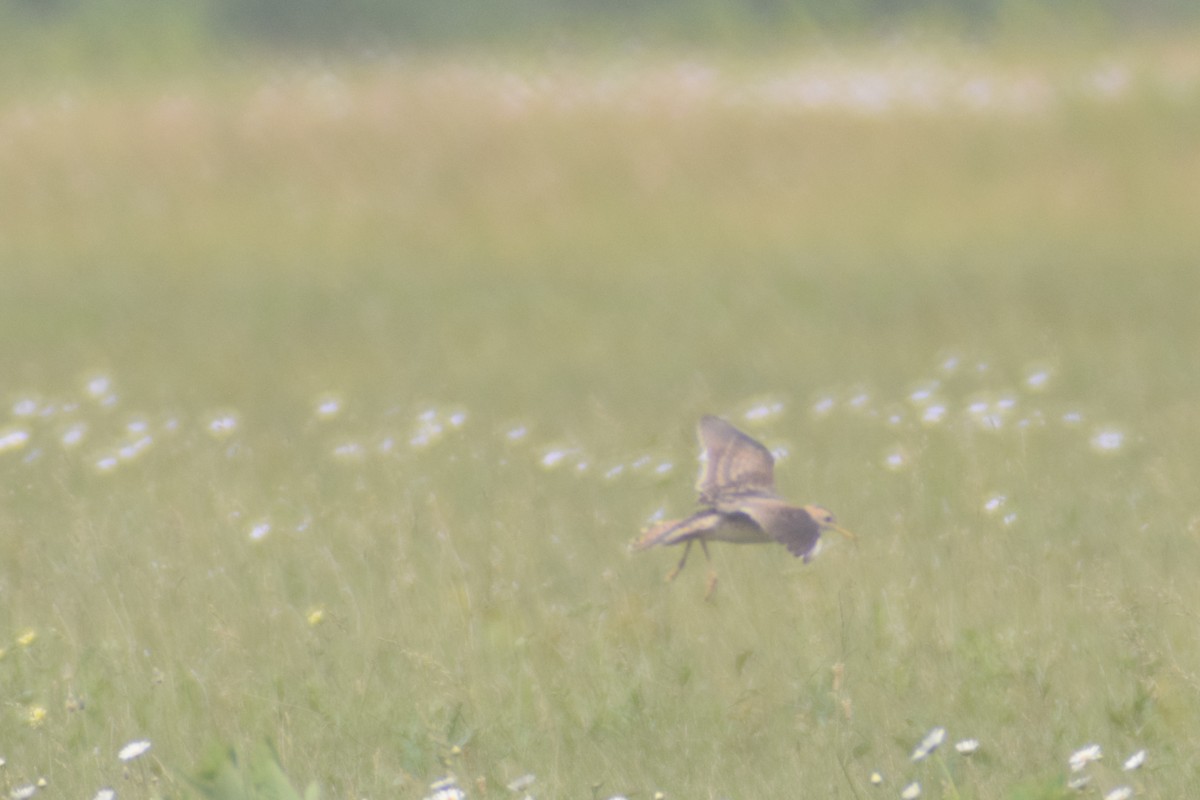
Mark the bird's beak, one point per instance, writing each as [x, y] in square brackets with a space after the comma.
[843, 531]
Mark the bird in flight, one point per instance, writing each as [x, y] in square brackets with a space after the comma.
[738, 503]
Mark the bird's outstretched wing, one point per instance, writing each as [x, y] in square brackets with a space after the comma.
[789, 525]
[734, 464]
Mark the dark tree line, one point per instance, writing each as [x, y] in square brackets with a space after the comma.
[435, 22]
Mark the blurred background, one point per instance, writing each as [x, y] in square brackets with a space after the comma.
[344, 346]
[131, 32]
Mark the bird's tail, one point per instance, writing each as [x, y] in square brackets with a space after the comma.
[674, 531]
[655, 535]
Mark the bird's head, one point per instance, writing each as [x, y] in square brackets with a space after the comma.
[824, 517]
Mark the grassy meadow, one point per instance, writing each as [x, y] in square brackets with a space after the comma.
[335, 391]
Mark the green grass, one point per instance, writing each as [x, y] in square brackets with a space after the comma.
[601, 274]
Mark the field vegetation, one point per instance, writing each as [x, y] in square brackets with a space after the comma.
[336, 388]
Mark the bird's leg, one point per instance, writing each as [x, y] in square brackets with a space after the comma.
[712, 572]
[679, 567]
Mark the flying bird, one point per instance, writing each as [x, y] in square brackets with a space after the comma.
[738, 503]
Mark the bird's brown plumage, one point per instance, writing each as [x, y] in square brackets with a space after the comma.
[733, 464]
[738, 502]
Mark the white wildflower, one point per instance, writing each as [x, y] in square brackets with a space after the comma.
[1135, 760]
[1084, 756]
[931, 742]
[446, 789]
[522, 783]
[1079, 783]
[133, 749]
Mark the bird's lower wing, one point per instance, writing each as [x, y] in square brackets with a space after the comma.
[674, 531]
[789, 525]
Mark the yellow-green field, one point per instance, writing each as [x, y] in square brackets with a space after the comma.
[333, 395]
